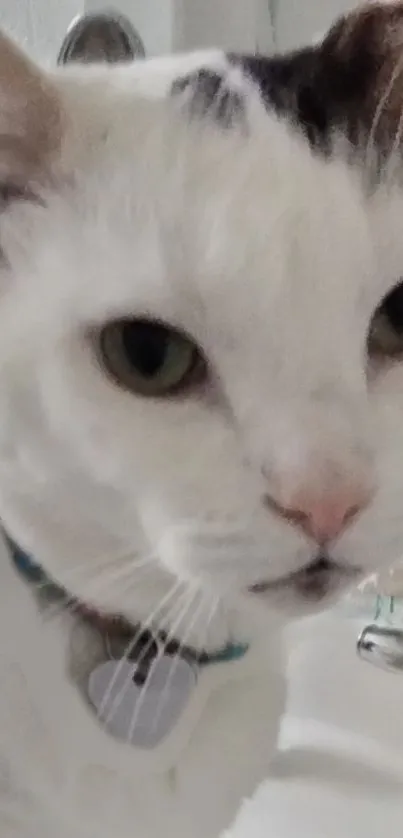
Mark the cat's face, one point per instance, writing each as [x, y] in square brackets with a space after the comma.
[201, 380]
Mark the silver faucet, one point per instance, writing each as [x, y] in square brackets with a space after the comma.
[382, 646]
[106, 36]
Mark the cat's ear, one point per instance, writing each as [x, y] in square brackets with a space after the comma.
[374, 31]
[30, 117]
[366, 47]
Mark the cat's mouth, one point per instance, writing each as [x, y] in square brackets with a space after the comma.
[313, 581]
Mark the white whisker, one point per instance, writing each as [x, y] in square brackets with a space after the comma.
[156, 660]
[198, 613]
[110, 578]
[173, 591]
[137, 663]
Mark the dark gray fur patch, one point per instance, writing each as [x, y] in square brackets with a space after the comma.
[206, 93]
[337, 85]
[291, 85]
[324, 90]
[319, 89]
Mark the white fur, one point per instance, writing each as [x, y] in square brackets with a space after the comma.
[266, 255]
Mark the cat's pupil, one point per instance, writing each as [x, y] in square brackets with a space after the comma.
[393, 308]
[145, 347]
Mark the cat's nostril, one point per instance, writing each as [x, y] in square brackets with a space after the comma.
[322, 518]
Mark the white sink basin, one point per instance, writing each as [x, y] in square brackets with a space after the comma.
[330, 684]
[340, 772]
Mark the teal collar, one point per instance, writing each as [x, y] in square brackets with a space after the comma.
[115, 627]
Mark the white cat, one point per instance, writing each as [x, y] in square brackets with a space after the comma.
[201, 414]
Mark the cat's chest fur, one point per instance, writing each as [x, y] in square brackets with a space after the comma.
[64, 775]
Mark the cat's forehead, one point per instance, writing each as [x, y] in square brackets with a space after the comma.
[208, 230]
[194, 219]
[190, 189]
[348, 85]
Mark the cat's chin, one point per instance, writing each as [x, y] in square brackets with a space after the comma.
[312, 588]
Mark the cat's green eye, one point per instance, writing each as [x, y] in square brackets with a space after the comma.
[386, 330]
[149, 358]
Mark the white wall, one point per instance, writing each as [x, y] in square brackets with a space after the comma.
[39, 24]
[165, 25]
[299, 21]
[231, 24]
[153, 19]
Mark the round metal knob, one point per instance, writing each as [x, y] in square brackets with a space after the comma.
[101, 37]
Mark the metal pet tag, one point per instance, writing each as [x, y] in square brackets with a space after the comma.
[382, 647]
[142, 713]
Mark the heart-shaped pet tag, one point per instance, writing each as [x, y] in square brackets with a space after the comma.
[142, 713]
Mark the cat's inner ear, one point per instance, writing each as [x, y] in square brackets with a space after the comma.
[30, 119]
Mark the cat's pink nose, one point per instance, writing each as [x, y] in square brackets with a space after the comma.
[324, 517]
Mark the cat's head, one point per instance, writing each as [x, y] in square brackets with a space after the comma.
[201, 382]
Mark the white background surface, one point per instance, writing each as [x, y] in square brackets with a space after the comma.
[179, 24]
[341, 771]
